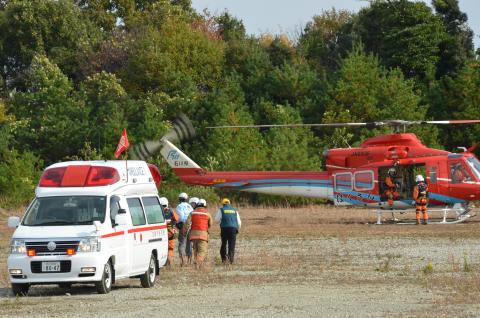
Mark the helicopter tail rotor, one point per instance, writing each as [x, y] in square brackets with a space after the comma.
[182, 129]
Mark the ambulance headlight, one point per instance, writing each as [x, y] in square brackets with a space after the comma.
[91, 244]
[18, 247]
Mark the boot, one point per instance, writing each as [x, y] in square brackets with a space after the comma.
[425, 222]
[417, 222]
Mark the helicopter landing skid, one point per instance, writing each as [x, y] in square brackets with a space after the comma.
[461, 215]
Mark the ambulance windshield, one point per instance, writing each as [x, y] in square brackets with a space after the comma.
[65, 210]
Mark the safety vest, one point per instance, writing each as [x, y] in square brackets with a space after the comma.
[200, 220]
[229, 216]
[171, 218]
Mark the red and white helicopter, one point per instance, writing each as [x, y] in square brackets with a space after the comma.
[353, 176]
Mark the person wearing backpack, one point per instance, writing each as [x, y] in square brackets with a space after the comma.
[420, 195]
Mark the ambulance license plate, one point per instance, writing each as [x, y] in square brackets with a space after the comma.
[50, 266]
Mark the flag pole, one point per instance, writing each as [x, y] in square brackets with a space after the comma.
[126, 162]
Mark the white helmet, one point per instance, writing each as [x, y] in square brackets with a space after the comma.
[183, 195]
[419, 178]
[202, 202]
[193, 200]
[392, 171]
[163, 201]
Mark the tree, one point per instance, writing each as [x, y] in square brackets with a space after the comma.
[106, 102]
[229, 149]
[230, 28]
[172, 57]
[52, 122]
[403, 34]
[366, 91]
[51, 28]
[460, 99]
[289, 148]
[326, 39]
[457, 46]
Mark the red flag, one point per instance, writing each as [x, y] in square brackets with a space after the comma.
[122, 144]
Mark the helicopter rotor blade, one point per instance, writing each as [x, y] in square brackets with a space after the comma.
[453, 122]
[393, 123]
[297, 125]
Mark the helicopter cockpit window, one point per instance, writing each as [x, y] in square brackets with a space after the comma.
[458, 173]
[475, 165]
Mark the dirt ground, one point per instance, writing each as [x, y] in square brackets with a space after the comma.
[305, 262]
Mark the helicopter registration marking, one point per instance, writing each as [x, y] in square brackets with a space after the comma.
[346, 197]
[181, 163]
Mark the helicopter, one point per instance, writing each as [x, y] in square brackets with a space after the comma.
[353, 176]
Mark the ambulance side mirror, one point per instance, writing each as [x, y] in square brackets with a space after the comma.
[13, 221]
[121, 219]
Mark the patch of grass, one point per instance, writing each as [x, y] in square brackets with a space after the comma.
[427, 269]
[386, 263]
[466, 264]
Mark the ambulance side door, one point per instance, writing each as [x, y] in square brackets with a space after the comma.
[157, 237]
[117, 240]
[135, 237]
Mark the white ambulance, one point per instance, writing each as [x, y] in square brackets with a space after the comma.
[90, 222]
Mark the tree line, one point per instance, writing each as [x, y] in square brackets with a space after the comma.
[74, 73]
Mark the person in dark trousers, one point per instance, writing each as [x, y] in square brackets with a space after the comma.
[230, 224]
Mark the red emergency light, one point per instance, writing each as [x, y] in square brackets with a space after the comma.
[79, 176]
[157, 177]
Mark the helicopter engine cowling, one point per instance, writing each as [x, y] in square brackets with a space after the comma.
[397, 152]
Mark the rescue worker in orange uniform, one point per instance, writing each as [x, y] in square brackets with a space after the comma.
[199, 222]
[420, 195]
[457, 175]
[390, 186]
[171, 218]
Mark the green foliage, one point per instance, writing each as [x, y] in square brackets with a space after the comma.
[106, 101]
[172, 56]
[73, 74]
[52, 123]
[52, 28]
[19, 175]
[403, 34]
[457, 46]
[366, 91]
[289, 149]
[230, 149]
[327, 38]
[459, 98]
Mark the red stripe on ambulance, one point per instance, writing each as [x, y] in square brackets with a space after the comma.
[148, 228]
[113, 234]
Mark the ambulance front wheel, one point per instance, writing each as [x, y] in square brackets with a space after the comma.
[20, 289]
[105, 284]
[148, 279]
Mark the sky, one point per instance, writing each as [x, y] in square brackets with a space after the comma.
[289, 16]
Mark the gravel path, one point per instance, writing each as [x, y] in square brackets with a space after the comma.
[335, 277]
[327, 270]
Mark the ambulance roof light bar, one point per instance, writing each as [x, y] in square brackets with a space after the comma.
[79, 176]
